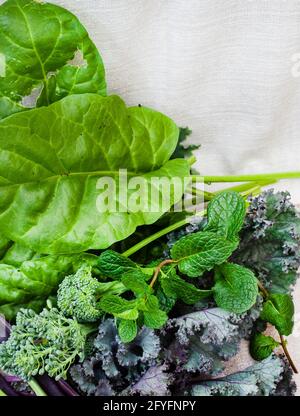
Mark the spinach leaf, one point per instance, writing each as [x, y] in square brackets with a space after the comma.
[201, 251]
[226, 213]
[236, 288]
[52, 158]
[48, 54]
[279, 311]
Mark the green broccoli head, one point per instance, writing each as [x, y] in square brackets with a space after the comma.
[78, 294]
[43, 343]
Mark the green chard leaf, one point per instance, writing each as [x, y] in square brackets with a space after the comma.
[174, 286]
[279, 310]
[119, 307]
[200, 252]
[48, 54]
[235, 288]
[225, 214]
[52, 159]
[113, 265]
[262, 346]
[35, 280]
[127, 330]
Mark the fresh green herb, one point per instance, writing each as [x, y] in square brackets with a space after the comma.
[262, 346]
[279, 311]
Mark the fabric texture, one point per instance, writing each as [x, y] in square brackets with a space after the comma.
[227, 69]
[230, 70]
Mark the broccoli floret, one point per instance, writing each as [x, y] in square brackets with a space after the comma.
[43, 343]
[78, 295]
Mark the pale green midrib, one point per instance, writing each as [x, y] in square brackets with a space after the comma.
[36, 52]
[100, 173]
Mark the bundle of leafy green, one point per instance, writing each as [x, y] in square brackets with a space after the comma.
[113, 325]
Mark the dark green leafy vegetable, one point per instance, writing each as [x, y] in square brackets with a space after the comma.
[235, 288]
[262, 346]
[48, 54]
[279, 311]
[257, 380]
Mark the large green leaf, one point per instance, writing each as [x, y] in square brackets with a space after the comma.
[47, 53]
[35, 280]
[51, 159]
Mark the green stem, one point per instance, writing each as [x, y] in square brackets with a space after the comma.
[177, 225]
[2, 394]
[192, 160]
[246, 186]
[287, 354]
[36, 388]
[159, 234]
[207, 196]
[242, 178]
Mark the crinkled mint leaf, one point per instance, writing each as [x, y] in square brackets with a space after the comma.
[119, 307]
[279, 311]
[154, 317]
[174, 286]
[225, 214]
[113, 265]
[135, 281]
[51, 161]
[258, 380]
[127, 330]
[262, 346]
[48, 54]
[235, 288]
[201, 251]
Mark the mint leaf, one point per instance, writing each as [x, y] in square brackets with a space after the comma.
[154, 317]
[262, 346]
[127, 330]
[113, 265]
[225, 214]
[201, 251]
[236, 288]
[135, 281]
[119, 307]
[279, 311]
[174, 286]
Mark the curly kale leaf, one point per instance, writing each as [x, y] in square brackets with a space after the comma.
[184, 150]
[155, 382]
[270, 241]
[207, 338]
[258, 380]
[115, 366]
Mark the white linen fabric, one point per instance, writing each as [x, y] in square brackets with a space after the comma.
[230, 70]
